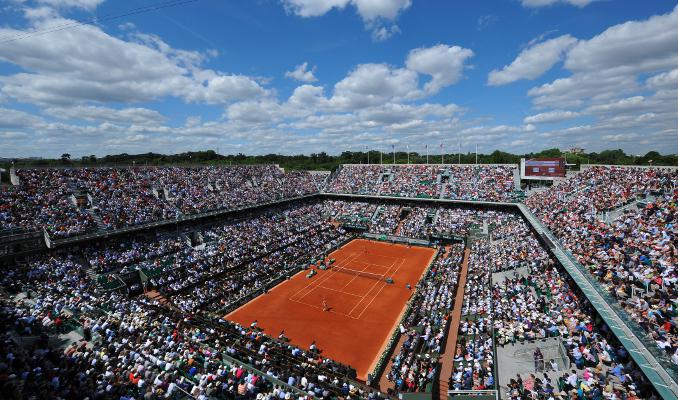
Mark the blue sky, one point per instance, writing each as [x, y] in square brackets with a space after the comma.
[302, 76]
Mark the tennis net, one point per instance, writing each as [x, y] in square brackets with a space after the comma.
[365, 274]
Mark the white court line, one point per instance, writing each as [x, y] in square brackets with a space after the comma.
[368, 292]
[320, 280]
[377, 295]
[373, 286]
[379, 265]
[363, 270]
[338, 290]
[320, 308]
[377, 253]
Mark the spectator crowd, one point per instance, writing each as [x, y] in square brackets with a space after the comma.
[454, 182]
[634, 256]
[74, 201]
[124, 345]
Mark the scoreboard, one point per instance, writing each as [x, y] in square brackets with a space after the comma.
[542, 168]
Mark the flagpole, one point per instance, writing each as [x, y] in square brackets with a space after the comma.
[426, 154]
[408, 154]
[368, 155]
[476, 153]
[381, 156]
[393, 147]
[442, 154]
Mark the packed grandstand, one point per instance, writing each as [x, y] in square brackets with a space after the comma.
[129, 290]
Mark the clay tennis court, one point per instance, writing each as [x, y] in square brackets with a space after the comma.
[362, 310]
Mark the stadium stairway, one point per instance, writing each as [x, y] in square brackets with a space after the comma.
[155, 295]
[97, 219]
[447, 356]
[399, 227]
[443, 189]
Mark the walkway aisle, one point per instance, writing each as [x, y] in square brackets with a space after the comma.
[384, 383]
[400, 224]
[447, 357]
[155, 295]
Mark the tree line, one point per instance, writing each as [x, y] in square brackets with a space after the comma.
[324, 161]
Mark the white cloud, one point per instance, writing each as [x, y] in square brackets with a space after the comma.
[10, 118]
[575, 90]
[378, 15]
[444, 63]
[544, 3]
[142, 116]
[631, 47]
[255, 112]
[302, 73]
[381, 33]
[665, 80]
[313, 8]
[83, 4]
[621, 105]
[371, 10]
[308, 97]
[102, 68]
[532, 62]
[372, 84]
[551, 116]
[11, 135]
[608, 66]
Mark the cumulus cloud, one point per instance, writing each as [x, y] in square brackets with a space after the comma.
[609, 65]
[551, 116]
[621, 105]
[302, 73]
[532, 62]
[378, 15]
[631, 47]
[445, 64]
[96, 113]
[103, 68]
[372, 84]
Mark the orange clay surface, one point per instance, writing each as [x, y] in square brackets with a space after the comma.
[362, 312]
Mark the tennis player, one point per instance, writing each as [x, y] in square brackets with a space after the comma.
[325, 304]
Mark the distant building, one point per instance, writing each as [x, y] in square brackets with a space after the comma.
[576, 150]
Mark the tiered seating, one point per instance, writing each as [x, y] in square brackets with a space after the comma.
[476, 182]
[412, 181]
[488, 183]
[474, 355]
[357, 179]
[416, 362]
[633, 256]
[69, 202]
